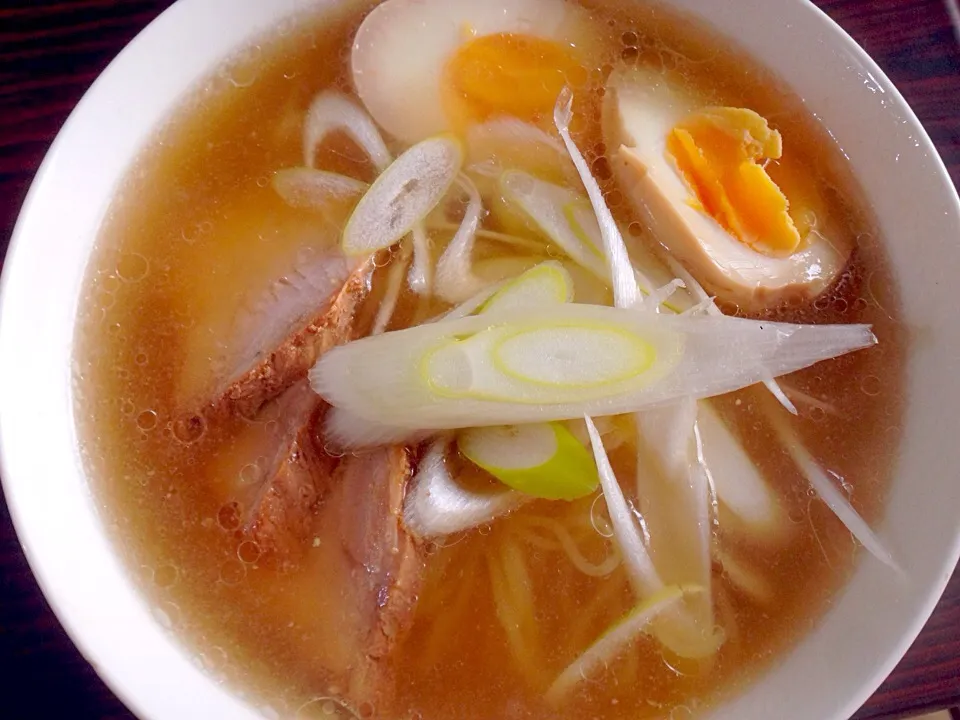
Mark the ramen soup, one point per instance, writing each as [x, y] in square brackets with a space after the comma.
[457, 359]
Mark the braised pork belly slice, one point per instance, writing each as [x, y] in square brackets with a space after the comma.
[283, 512]
[286, 331]
[384, 565]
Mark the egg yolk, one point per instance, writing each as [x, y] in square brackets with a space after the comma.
[508, 74]
[720, 153]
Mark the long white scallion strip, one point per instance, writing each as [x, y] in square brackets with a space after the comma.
[711, 308]
[739, 485]
[308, 189]
[831, 495]
[515, 139]
[559, 363]
[585, 225]
[683, 468]
[455, 279]
[403, 195]
[744, 579]
[391, 294]
[438, 505]
[613, 642]
[421, 270]
[625, 290]
[643, 575]
[544, 203]
[331, 111]
[675, 501]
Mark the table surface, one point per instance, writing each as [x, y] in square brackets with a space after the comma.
[52, 50]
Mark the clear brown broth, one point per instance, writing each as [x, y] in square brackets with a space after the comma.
[196, 225]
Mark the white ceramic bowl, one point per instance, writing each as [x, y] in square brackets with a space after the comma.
[832, 671]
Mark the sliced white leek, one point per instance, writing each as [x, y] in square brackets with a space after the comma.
[544, 364]
[420, 277]
[456, 281]
[613, 642]
[508, 142]
[543, 460]
[403, 195]
[674, 500]
[547, 284]
[332, 111]
[535, 363]
[438, 505]
[545, 204]
[710, 307]
[830, 494]
[740, 487]
[471, 305]
[394, 286]
[745, 580]
[640, 570]
[625, 291]
[308, 189]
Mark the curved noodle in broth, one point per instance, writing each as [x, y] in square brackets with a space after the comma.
[260, 407]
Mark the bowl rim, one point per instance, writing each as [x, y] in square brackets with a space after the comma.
[86, 643]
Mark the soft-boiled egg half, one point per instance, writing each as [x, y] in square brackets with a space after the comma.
[422, 67]
[698, 176]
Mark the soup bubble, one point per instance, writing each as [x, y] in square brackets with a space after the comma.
[248, 552]
[243, 72]
[250, 474]
[189, 429]
[229, 516]
[871, 385]
[166, 576]
[133, 267]
[147, 420]
[232, 572]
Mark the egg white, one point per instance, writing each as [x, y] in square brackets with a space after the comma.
[402, 46]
